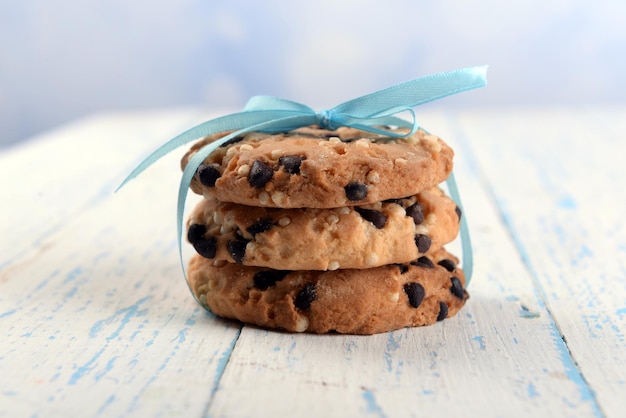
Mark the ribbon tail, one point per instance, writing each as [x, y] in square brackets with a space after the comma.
[415, 92]
[221, 124]
[466, 244]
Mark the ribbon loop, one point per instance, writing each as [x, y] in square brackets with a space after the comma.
[272, 114]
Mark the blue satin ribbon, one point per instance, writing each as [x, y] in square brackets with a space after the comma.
[273, 114]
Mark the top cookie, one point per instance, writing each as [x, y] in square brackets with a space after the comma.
[317, 168]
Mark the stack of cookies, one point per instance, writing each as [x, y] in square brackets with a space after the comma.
[326, 231]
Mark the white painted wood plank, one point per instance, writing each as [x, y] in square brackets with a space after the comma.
[558, 178]
[502, 355]
[49, 179]
[99, 321]
[83, 338]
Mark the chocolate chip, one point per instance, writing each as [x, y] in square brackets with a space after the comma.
[260, 174]
[291, 163]
[396, 201]
[261, 225]
[423, 242]
[232, 141]
[379, 219]
[208, 175]
[423, 262]
[237, 249]
[447, 264]
[356, 191]
[307, 295]
[415, 212]
[458, 212]
[457, 288]
[265, 279]
[196, 232]
[415, 292]
[403, 268]
[443, 311]
[206, 247]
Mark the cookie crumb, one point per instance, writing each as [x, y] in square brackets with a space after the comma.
[284, 221]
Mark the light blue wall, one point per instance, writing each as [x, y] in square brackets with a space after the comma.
[61, 59]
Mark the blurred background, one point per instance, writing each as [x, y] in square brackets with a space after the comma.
[64, 59]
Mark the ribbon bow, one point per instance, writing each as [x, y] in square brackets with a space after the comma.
[272, 114]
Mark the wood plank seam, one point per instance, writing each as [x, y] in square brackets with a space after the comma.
[575, 374]
[221, 368]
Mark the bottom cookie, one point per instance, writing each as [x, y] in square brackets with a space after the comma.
[352, 301]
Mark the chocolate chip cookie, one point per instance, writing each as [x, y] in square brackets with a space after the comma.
[351, 237]
[317, 168]
[368, 301]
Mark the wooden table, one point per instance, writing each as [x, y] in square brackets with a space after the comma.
[96, 320]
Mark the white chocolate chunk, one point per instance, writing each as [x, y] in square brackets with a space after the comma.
[393, 297]
[302, 324]
[333, 265]
[243, 170]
